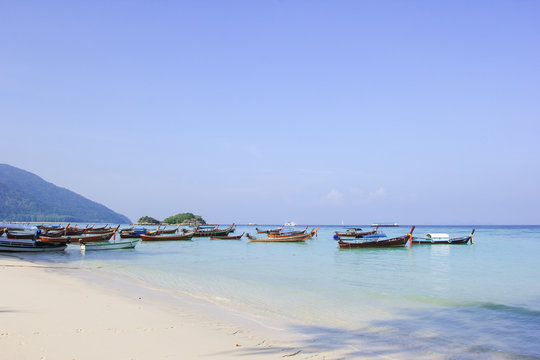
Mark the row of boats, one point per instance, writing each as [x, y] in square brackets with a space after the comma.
[356, 238]
[56, 238]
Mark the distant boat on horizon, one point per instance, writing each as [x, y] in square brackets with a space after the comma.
[290, 223]
[384, 225]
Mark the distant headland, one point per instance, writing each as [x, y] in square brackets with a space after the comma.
[25, 196]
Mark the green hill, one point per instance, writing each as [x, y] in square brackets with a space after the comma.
[27, 197]
[184, 217]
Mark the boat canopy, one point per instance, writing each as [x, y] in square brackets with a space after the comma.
[438, 236]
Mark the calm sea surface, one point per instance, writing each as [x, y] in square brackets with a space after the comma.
[459, 301]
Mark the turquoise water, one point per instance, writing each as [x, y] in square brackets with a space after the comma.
[459, 301]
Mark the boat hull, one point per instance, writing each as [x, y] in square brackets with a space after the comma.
[84, 238]
[237, 237]
[34, 246]
[395, 242]
[15, 236]
[295, 238]
[174, 237]
[208, 233]
[456, 241]
[108, 245]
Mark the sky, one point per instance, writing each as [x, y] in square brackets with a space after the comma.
[318, 112]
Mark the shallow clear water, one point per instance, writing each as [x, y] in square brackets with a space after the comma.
[458, 301]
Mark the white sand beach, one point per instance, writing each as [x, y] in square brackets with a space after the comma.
[50, 311]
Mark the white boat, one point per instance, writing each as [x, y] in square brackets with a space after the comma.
[290, 223]
[29, 246]
[384, 225]
[109, 245]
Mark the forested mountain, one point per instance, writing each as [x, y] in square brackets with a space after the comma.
[27, 197]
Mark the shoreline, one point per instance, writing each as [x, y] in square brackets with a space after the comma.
[59, 311]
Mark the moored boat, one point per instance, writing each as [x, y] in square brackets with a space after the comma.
[234, 237]
[169, 231]
[290, 238]
[259, 231]
[362, 243]
[130, 244]
[287, 233]
[133, 233]
[167, 237]
[212, 232]
[442, 239]
[29, 246]
[355, 233]
[78, 238]
[20, 235]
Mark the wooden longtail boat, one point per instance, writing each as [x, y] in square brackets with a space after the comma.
[132, 234]
[234, 237]
[77, 238]
[170, 231]
[74, 231]
[29, 246]
[356, 233]
[291, 238]
[20, 235]
[393, 242]
[50, 228]
[213, 232]
[288, 233]
[167, 237]
[312, 233]
[275, 231]
[442, 240]
[102, 231]
[130, 244]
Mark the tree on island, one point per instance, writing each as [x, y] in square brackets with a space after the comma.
[148, 220]
[184, 218]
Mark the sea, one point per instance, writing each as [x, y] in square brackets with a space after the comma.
[474, 301]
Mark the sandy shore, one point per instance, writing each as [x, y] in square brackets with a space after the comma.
[50, 311]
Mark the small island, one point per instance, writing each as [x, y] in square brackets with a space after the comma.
[187, 219]
[147, 220]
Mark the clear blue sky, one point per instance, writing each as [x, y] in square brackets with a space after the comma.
[421, 112]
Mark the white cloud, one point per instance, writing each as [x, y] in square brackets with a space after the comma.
[334, 197]
[378, 194]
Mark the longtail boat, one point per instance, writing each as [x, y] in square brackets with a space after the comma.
[167, 237]
[288, 233]
[77, 238]
[170, 231]
[355, 233]
[101, 230]
[21, 235]
[291, 238]
[75, 230]
[213, 232]
[130, 244]
[218, 237]
[393, 242]
[312, 233]
[136, 234]
[47, 228]
[276, 231]
[442, 239]
[29, 246]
